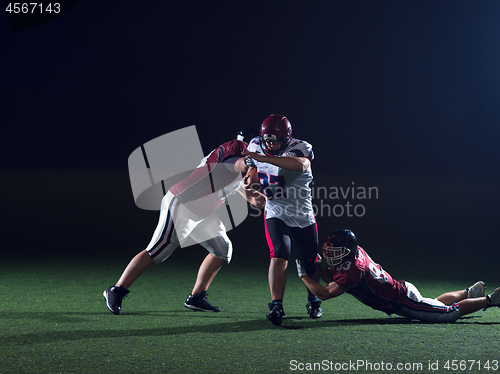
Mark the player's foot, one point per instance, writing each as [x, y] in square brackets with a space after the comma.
[494, 298]
[476, 290]
[200, 302]
[114, 296]
[276, 313]
[314, 309]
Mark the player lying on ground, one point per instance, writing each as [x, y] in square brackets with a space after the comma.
[346, 267]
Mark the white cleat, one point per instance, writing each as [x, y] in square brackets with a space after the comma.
[476, 290]
[494, 298]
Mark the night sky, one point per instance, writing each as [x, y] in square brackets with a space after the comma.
[376, 86]
[379, 88]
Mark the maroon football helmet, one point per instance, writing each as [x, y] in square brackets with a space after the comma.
[275, 128]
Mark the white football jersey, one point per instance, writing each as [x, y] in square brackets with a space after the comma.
[288, 192]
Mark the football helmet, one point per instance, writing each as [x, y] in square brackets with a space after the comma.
[341, 244]
[275, 128]
[247, 133]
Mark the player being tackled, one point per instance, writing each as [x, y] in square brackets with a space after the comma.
[349, 269]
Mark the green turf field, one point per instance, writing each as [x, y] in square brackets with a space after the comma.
[54, 320]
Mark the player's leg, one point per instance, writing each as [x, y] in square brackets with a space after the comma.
[220, 251]
[434, 310]
[278, 239]
[306, 240]
[468, 306]
[472, 305]
[428, 310]
[138, 265]
[277, 277]
[161, 246]
[474, 291]
[206, 273]
[277, 284]
[450, 298]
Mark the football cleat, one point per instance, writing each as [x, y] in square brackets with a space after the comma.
[314, 309]
[476, 290]
[494, 298]
[199, 302]
[276, 313]
[114, 296]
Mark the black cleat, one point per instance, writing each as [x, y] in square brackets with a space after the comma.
[114, 296]
[276, 313]
[314, 309]
[199, 302]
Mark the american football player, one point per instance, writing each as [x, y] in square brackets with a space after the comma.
[347, 268]
[186, 212]
[284, 170]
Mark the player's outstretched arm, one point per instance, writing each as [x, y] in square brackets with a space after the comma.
[323, 293]
[240, 166]
[285, 162]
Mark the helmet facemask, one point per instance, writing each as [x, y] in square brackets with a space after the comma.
[334, 255]
[272, 139]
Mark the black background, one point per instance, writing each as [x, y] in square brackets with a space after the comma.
[398, 95]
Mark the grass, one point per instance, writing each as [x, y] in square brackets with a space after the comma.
[53, 320]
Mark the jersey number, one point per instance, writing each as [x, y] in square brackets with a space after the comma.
[377, 273]
[277, 181]
[344, 266]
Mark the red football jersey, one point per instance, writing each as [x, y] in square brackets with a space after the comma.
[369, 283]
[210, 177]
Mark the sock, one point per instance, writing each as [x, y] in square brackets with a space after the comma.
[277, 301]
[122, 289]
[311, 298]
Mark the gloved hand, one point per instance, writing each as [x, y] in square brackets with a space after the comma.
[320, 264]
[301, 271]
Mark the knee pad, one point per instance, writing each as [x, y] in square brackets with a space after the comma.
[220, 247]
